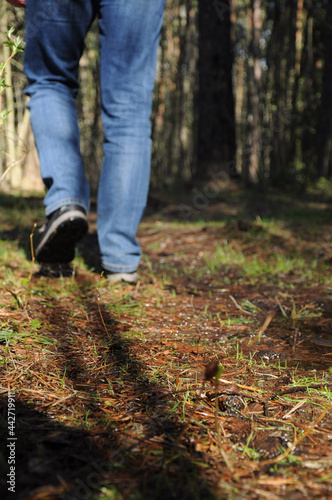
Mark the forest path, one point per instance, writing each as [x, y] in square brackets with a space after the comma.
[208, 379]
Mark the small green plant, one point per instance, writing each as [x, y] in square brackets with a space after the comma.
[15, 45]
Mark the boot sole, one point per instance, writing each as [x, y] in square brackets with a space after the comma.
[58, 243]
[131, 278]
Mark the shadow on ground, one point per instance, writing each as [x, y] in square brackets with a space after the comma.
[54, 460]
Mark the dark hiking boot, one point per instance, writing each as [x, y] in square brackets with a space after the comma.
[59, 235]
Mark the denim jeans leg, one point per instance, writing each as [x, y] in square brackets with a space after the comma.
[55, 32]
[129, 37]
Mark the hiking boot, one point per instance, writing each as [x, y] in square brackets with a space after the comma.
[131, 278]
[59, 235]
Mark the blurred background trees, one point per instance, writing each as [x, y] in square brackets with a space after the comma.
[243, 88]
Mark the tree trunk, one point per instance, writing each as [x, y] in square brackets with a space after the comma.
[283, 120]
[215, 101]
[324, 136]
[254, 171]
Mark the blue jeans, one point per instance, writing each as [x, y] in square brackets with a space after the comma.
[129, 37]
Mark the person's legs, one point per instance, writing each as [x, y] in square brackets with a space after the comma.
[129, 36]
[55, 32]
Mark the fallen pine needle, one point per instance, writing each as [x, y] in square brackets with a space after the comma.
[239, 307]
[264, 327]
[233, 374]
[63, 399]
[240, 385]
[296, 407]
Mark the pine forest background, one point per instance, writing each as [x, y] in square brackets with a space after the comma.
[243, 90]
